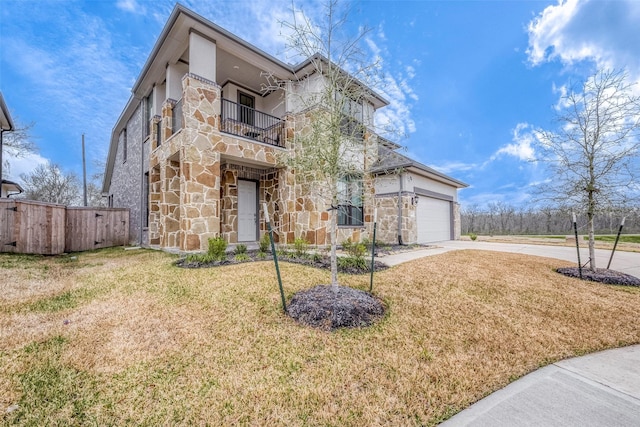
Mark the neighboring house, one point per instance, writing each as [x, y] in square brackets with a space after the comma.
[195, 153]
[7, 188]
[10, 188]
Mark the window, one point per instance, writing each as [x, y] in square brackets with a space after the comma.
[350, 196]
[123, 136]
[148, 114]
[246, 105]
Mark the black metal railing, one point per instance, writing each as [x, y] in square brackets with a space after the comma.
[176, 117]
[244, 121]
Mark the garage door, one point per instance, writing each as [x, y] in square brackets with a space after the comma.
[434, 220]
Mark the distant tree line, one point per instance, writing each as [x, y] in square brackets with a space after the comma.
[500, 218]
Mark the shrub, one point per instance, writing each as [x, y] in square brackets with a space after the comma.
[265, 242]
[301, 247]
[352, 262]
[242, 256]
[356, 250]
[473, 236]
[217, 249]
[240, 249]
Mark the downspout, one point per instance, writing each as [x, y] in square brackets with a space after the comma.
[1, 135]
[142, 112]
[400, 210]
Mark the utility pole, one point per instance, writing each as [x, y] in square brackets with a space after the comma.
[84, 173]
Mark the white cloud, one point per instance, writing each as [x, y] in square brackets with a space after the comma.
[524, 138]
[130, 6]
[451, 168]
[24, 164]
[604, 32]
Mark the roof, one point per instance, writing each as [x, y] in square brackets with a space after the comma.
[12, 186]
[6, 123]
[391, 161]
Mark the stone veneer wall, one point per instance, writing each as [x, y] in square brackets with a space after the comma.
[457, 228]
[306, 213]
[206, 199]
[387, 231]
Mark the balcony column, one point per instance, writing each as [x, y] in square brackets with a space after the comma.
[202, 56]
[200, 166]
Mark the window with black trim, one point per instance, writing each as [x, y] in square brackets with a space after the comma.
[148, 110]
[350, 194]
[123, 136]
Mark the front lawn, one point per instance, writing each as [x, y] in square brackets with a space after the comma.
[125, 337]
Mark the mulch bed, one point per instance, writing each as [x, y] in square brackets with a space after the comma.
[322, 261]
[601, 275]
[329, 308]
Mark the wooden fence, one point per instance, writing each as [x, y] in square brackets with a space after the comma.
[30, 227]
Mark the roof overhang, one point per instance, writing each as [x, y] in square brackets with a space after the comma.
[10, 186]
[6, 123]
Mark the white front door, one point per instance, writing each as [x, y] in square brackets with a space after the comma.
[247, 212]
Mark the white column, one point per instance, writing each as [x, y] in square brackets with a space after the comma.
[202, 56]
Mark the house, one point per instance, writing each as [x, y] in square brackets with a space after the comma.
[195, 152]
[7, 188]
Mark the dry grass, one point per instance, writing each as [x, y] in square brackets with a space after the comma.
[127, 338]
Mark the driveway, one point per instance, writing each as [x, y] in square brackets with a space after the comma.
[625, 262]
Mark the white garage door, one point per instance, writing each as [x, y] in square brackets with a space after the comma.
[434, 220]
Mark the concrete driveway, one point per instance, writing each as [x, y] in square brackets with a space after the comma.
[624, 262]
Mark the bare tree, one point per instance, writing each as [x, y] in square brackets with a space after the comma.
[17, 143]
[592, 155]
[333, 147]
[48, 183]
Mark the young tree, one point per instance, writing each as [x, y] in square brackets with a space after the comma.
[333, 148]
[48, 183]
[593, 153]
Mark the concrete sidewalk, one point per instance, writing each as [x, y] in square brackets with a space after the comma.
[601, 389]
[624, 262]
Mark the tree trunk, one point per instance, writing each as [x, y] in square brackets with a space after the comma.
[334, 256]
[592, 243]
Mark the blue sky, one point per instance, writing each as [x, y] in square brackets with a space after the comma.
[468, 81]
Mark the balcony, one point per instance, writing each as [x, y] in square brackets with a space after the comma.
[247, 122]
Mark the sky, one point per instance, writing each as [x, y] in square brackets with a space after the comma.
[468, 82]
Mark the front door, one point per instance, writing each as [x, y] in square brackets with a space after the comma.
[247, 211]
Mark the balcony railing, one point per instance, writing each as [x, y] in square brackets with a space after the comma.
[176, 117]
[247, 122]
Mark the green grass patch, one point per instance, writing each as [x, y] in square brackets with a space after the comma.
[51, 391]
[624, 238]
[63, 301]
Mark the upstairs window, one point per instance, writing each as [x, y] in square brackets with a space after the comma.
[148, 114]
[350, 195]
[123, 137]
